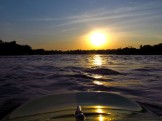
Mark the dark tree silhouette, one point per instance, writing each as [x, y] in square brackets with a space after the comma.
[12, 48]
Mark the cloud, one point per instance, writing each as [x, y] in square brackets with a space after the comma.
[149, 9]
[110, 16]
[45, 19]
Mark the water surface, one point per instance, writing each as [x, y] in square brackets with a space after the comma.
[27, 77]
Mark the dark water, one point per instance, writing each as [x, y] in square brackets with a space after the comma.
[26, 77]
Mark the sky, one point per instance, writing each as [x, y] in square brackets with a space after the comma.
[67, 24]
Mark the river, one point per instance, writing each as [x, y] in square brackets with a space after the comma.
[137, 77]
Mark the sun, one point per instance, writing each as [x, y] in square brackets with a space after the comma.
[97, 38]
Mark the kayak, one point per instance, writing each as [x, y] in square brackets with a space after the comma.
[82, 106]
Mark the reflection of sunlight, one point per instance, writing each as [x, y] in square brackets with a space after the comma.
[97, 61]
[97, 76]
[101, 118]
[97, 82]
[99, 109]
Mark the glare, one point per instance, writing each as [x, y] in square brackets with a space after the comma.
[97, 60]
[101, 118]
[98, 38]
[99, 109]
[97, 82]
[96, 76]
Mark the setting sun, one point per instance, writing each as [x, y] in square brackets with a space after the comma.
[97, 38]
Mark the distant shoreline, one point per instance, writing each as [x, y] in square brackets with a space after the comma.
[12, 48]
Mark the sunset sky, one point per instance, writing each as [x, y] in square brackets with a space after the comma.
[69, 24]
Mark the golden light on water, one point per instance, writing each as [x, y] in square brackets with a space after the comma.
[101, 118]
[97, 82]
[99, 109]
[97, 60]
[96, 76]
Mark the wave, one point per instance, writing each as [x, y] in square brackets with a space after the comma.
[27, 77]
[102, 71]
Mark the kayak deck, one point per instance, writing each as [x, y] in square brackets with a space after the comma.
[96, 106]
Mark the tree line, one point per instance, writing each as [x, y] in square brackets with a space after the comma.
[12, 48]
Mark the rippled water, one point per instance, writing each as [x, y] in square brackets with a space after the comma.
[26, 77]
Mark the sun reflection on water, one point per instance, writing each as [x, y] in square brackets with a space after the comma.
[99, 109]
[98, 82]
[97, 60]
[96, 76]
[101, 118]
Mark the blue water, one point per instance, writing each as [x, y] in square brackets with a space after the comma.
[23, 78]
